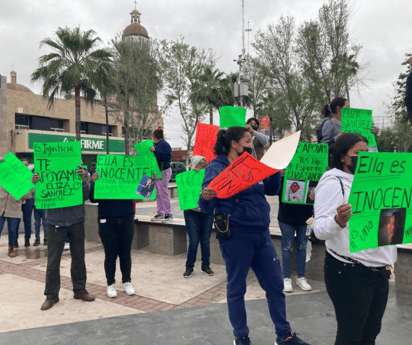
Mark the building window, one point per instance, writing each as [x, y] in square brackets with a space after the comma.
[23, 121]
[94, 128]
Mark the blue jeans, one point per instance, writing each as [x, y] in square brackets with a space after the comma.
[253, 250]
[12, 226]
[288, 237]
[199, 229]
[27, 209]
[39, 219]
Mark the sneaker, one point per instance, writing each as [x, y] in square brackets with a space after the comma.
[291, 340]
[303, 284]
[206, 270]
[188, 272]
[49, 302]
[287, 282]
[242, 341]
[111, 291]
[167, 218]
[83, 295]
[66, 246]
[128, 288]
[45, 241]
[36, 242]
[158, 217]
[27, 242]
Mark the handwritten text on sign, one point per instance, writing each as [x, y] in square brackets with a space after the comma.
[206, 136]
[57, 165]
[241, 174]
[189, 187]
[381, 198]
[358, 121]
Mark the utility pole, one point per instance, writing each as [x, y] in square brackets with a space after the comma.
[248, 30]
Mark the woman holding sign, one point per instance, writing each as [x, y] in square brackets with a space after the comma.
[357, 283]
[331, 119]
[250, 244]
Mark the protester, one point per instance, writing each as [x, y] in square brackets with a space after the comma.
[331, 123]
[116, 231]
[163, 153]
[63, 222]
[292, 219]
[27, 208]
[199, 228]
[408, 96]
[357, 283]
[250, 244]
[39, 220]
[259, 139]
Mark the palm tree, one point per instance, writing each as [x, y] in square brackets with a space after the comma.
[72, 66]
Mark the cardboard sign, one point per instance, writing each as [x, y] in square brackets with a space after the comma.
[15, 177]
[57, 164]
[120, 176]
[381, 199]
[265, 122]
[359, 121]
[304, 172]
[189, 187]
[143, 150]
[206, 136]
[241, 174]
[232, 116]
[278, 156]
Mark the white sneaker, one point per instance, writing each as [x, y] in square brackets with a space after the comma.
[158, 217]
[287, 282]
[303, 284]
[66, 246]
[128, 288]
[111, 291]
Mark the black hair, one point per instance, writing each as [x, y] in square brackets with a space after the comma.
[158, 133]
[342, 146]
[251, 119]
[225, 137]
[332, 107]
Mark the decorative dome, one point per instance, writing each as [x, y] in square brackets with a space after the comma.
[17, 87]
[135, 28]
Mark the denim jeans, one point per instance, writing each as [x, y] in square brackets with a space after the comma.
[288, 237]
[39, 219]
[55, 246]
[117, 237]
[12, 227]
[359, 296]
[27, 209]
[199, 229]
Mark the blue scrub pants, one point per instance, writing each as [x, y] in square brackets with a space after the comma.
[253, 250]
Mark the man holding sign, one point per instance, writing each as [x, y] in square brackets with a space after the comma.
[245, 240]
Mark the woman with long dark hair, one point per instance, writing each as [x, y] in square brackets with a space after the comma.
[250, 244]
[331, 114]
[357, 283]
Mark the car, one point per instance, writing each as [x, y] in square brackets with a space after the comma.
[177, 168]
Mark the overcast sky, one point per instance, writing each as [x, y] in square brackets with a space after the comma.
[383, 27]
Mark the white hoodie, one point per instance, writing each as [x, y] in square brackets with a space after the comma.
[328, 198]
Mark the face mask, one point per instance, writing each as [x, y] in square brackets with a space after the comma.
[255, 128]
[352, 166]
[245, 149]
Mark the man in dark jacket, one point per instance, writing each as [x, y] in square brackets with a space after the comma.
[408, 97]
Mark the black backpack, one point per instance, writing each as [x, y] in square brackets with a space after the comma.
[319, 130]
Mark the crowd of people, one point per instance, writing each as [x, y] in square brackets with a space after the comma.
[354, 281]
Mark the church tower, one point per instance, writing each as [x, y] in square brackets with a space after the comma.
[135, 31]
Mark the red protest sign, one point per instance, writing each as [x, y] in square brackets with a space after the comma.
[206, 136]
[264, 122]
[241, 174]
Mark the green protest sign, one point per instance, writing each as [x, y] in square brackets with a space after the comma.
[189, 187]
[15, 177]
[381, 197]
[57, 165]
[143, 150]
[232, 116]
[304, 172]
[120, 176]
[359, 121]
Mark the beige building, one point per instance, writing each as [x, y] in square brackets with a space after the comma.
[26, 118]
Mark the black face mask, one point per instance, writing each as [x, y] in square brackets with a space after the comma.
[352, 166]
[245, 149]
[255, 128]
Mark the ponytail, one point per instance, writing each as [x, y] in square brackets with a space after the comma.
[332, 107]
[225, 137]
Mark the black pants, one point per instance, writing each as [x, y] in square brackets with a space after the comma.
[55, 245]
[117, 236]
[359, 296]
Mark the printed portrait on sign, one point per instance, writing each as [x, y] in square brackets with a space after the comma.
[391, 226]
[310, 192]
[294, 190]
[146, 187]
